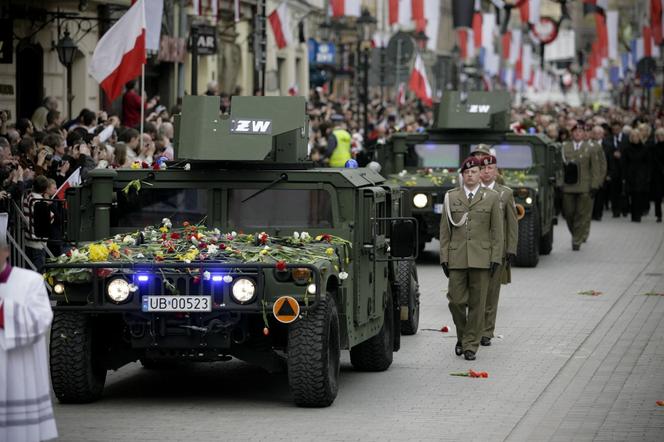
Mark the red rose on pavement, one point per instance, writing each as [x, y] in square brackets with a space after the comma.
[444, 329]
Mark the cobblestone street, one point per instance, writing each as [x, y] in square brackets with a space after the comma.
[568, 367]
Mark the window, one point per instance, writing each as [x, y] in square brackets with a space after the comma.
[514, 156]
[433, 155]
[150, 206]
[279, 208]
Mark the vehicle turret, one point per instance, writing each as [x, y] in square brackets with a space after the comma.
[475, 110]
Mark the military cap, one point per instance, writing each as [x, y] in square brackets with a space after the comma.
[488, 159]
[470, 162]
[483, 149]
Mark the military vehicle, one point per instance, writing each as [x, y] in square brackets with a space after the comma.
[245, 172]
[426, 165]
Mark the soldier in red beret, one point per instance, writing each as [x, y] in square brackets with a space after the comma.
[471, 250]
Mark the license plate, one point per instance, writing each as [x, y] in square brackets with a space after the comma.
[438, 208]
[177, 303]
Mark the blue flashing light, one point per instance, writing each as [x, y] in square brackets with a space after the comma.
[217, 278]
[143, 278]
[351, 164]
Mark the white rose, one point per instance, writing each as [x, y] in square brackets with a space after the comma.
[206, 275]
[212, 249]
[187, 166]
[296, 235]
[129, 240]
[166, 223]
[343, 275]
[305, 236]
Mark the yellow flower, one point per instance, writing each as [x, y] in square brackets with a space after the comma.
[51, 281]
[319, 237]
[98, 252]
[163, 229]
[329, 251]
[113, 247]
[263, 252]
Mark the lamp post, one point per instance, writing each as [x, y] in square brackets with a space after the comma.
[66, 50]
[366, 25]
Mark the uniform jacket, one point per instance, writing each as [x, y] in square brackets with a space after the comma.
[510, 222]
[480, 240]
[592, 166]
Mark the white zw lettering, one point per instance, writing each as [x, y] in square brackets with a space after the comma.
[479, 108]
[251, 126]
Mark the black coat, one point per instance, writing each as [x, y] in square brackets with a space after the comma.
[613, 163]
[657, 171]
[637, 166]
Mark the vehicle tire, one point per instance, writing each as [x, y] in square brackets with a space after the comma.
[546, 242]
[314, 352]
[527, 250]
[76, 375]
[375, 354]
[408, 295]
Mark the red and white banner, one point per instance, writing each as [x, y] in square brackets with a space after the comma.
[348, 8]
[419, 83]
[530, 11]
[407, 12]
[506, 44]
[515, 46]
[280, 23]
[73, 180]
[465, 39]
[477, 29]
[120, 53]
[432, 15]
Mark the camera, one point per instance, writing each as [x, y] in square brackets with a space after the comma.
[48, 157]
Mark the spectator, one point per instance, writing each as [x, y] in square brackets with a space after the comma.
[637, 171]
[131, 105]
[40, 115]
[35, 248]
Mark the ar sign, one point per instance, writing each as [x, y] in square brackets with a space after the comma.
[251, 127]
[479, 108]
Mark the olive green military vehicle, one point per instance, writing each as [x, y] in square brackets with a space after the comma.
[425, 165]
[315, 261]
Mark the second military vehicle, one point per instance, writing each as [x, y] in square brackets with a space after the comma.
[425, 165]
[249, 252]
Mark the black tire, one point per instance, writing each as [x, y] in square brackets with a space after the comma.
[314, 352]
[408, 295]
[76, 374]
[527, 249]
[546, 242]
[375, 354]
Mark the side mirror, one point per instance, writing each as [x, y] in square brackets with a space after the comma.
[41, 219]
[403, 238]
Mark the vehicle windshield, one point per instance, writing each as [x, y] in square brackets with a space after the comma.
[279, 208]
[433, 155]
[149, 206]
[514, 156]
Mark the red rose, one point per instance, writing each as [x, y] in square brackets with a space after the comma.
[202, 245]
[163, 237]
[155, 166]
[281, 265]
[484, 374]
[69, 253]
[263, 237]
[197, 279]
[326, 237]
[145, 165]
[175, 235]
[444, 329]
[185, 224]
[222, 246]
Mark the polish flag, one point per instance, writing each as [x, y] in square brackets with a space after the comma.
[348, 8]
[401, 94]
[73, 180]
[419, 83]
[477, 29]
[280, 23]
[466, 43]
[506, 41]
[120, 53]
[400, 12]
[530, 11]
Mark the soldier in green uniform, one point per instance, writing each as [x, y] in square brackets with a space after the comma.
[583, 176]
[471, 250]
[488, 176]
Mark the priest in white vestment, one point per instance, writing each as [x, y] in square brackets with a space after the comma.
[26, 412]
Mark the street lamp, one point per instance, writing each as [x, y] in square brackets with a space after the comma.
[66, 51]
[366, 26]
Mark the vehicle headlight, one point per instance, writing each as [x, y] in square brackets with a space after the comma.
[118, 290]
[420, 200]
[529, 200]
[59, 288]
[311, 289]
[243, 290]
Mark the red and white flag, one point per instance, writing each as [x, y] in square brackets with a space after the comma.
[401, 94]
[120, 53]
[73, 180]
[405, 12]
[419, 83]
[280, 23]
[347, 8]
[530, 11]
[466, 39]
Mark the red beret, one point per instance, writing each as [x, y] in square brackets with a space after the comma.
[488, 159]
[470, 162]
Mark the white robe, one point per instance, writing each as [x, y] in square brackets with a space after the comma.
[26, 412]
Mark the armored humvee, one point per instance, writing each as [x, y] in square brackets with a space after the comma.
[426, 164]
[312, 262]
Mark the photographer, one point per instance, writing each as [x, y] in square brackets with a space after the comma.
[35, 248]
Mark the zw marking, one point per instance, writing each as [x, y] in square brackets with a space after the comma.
[261, 127]
[479, 108]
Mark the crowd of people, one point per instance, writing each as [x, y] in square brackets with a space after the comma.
[39, 154]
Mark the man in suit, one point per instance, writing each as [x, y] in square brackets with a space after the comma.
[471, 251]
[613, 146]
[488, 176]
[583, 176]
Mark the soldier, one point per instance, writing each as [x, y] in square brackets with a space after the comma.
[583, 167]
[471, 250]
[597, 134]
[488, 176]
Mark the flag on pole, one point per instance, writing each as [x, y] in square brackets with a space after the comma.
[419, 83]
[612, 33]
[466, 43]
[477, 29]
[120, 53]
[349, 8]
[530, 11]
[73, 180]
[280, 23]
